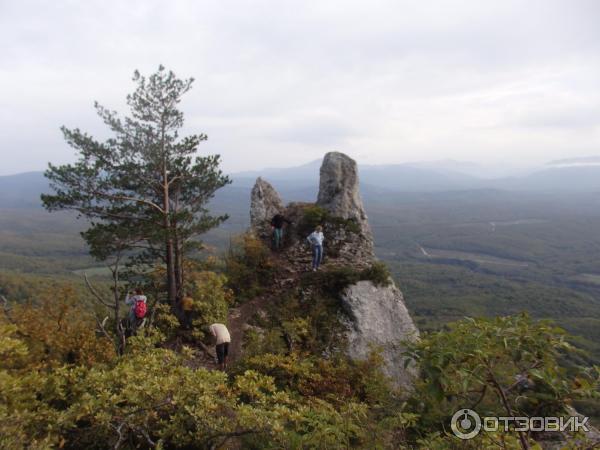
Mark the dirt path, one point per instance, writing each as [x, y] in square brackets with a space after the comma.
[287, 276]
[238, 320]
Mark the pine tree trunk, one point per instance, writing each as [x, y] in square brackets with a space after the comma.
[170, 259]
[178, 255]
[178, 267]
[171, 279]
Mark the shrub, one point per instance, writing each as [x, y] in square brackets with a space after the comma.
[248, 267]
[505, 366]
[378, 273]
[334, 280]
[58, 330]
[212, 299]
[314, 215]
[165, 320]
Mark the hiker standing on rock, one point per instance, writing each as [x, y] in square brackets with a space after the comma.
[221, 334]
[316, 239]
[277, 225]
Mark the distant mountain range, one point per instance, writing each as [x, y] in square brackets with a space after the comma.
[301, 182]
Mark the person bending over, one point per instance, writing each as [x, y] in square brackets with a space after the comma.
[222, 337]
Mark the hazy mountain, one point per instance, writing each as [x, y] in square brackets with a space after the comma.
[301, 182]
[304, 174]
[22, 190]
[440, 176]
[485, 171]
[576, 178]
[409, 178]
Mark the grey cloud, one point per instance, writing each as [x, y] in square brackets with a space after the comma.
[568, 118]
[281, 82]
[315, 128]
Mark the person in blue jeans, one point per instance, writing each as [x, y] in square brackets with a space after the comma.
[316, 239]
[277, 223]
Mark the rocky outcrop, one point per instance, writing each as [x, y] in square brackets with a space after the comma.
[339, 190]
[378, 318]
[265, 202]
[339, 194]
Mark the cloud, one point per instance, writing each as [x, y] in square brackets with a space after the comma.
[279, 83]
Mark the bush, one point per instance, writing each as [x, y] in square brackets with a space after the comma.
[151, 399]
[491, 365]
[212, 299]
[378, 273]
[58, 330]
[334, 280]
[248, 267]
[314, 215]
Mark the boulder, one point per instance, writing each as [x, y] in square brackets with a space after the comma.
[377, 318]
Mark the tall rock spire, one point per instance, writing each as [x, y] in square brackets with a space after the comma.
[339, 194]
[339, 191]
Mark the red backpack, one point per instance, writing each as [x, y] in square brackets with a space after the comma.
[140, 309]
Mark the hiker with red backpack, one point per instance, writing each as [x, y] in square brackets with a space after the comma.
[137, 312]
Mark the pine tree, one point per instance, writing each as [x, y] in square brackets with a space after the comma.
[143, 189]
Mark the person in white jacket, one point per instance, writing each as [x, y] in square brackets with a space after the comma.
[315, 240]
[222, 338]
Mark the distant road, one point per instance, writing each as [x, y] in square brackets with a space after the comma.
[424, 252]
[465, 256]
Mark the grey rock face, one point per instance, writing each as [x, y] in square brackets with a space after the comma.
[265, 202]
[379, 318]
[339, 190]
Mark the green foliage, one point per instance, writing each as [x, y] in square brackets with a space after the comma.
[148, 397]
[336, 379]
[378, 273]
[350, 403]
[211, 300]
[335, 279]
[314, 215]
[248, 266]
[165, 320]
[57, 329]
[59, 388]
[499, 367]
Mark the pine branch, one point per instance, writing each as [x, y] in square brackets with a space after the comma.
[95, 293]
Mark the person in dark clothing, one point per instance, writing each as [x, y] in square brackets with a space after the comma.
[277, 223]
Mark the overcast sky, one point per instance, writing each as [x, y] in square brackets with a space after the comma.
[278, 83]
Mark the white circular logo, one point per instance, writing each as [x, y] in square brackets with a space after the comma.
[465, 424]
